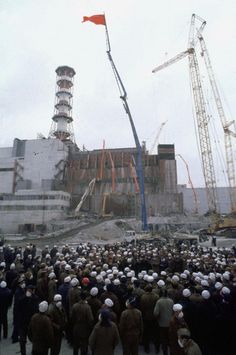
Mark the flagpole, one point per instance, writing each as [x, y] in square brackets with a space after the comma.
[139, 167]
[107, 36]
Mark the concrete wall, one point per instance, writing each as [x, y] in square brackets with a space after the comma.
[41, 157]
[32, 207]
[188, 197]
[164, 203]
[6, 174]
[38, 160]
[6, 152]
[160, 179]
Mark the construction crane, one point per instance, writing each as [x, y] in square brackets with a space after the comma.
[134, 174]
[201, 114]
[113, 173]
[139, 166]
[225, 124]
[190, 183]
[155, 143]
[88, 191]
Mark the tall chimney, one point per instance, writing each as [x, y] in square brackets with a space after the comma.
[62, 127]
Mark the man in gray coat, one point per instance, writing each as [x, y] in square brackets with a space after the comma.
[163, 311]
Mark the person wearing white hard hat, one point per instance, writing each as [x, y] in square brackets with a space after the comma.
[58, 317]
[94, 303]
[40, 331]
[177, 322]
[64, 291]
[73, 295]
[11, 275]
[111, 295]
[109, 305]
[205, 316]
[52, 286]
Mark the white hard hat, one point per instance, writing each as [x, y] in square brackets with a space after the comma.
[57, 298]
[3, 284]
[109, 303]
[206, 294]
[52, 275]
[225, 290]
[186, 292]
[161, 283]
[43, 307]
[94, 291]
[67, 279]
[177, 307]
[74, 282]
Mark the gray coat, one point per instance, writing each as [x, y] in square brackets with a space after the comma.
[163, 311]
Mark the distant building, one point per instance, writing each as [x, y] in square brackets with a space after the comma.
[189, 204]
[30, 172]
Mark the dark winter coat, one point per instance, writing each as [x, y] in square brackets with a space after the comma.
[103, 340]
[5, 300]
[175, 325]
[58, 319]
[82, 321]
[147, 304]
[131, 324]
[40, 332]
[11, 275]
[52, 290]
[29, 306]
[207, 313]
[63, 290]
[95, 305]
[42, 288]
[73, 297]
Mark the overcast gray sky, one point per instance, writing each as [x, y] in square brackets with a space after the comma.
[38, 36]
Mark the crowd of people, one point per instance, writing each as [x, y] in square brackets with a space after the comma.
[179, 299]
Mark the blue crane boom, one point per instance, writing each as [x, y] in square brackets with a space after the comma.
[139, 166]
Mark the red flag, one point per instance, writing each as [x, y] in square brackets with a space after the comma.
[97, 19]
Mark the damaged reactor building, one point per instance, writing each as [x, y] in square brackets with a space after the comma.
[44, 179]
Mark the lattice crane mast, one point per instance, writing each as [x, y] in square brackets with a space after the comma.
[190, 183]
[157, 137]
[225, 124]
[201, 114]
